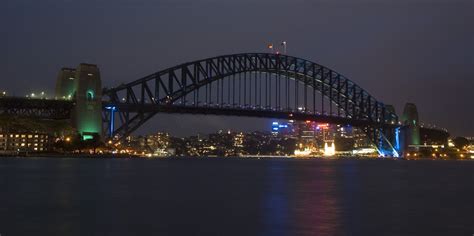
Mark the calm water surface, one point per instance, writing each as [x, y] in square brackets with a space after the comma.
[235, 197]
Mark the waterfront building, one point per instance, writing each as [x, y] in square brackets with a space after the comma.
[470, 139]
[25, 142]
[286, 129]
[360, 139]
[239, 140]
[157, 141]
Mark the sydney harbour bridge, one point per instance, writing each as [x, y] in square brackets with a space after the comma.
[247, 84]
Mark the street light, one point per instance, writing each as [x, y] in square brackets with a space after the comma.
[284, 47]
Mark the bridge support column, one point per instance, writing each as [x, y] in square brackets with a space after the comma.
[111, 120]
[410, 132]
[65, 84]
[84, 86]
[87, 117]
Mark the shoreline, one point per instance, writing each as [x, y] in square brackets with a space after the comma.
[256, 157]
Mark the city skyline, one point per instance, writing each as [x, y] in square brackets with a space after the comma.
[355, 39]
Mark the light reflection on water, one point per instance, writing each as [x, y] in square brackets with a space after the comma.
[275, 200]
[235, 197]
[320, 209]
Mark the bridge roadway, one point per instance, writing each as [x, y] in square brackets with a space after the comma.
[62, 109]
[36, 108]
[228, 110]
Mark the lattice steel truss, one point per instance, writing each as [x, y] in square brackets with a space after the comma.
[249, 84]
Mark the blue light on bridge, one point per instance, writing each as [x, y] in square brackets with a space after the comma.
[112, 110]
[388, 149]
[397, 138]
[380, 149]
[396, 148]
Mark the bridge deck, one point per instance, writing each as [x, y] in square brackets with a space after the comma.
[36, 108]
[243, 111]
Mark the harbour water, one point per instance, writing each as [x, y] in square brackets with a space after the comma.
[218, 196]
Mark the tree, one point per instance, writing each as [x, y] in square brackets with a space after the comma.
[460, 142]
[93, 143]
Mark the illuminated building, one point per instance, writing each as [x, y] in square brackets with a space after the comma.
[329, 148]
[275, 128]
[303, 153]
[360, 139]
[365, 152]
[344, 131]
[321, 138]
[306, 131]
[239, 140]
[159, 144]
[470, 139]
[281, 128]
[25, 142]
[470, 147]
[157, 141]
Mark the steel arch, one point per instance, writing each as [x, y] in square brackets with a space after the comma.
[167, 90]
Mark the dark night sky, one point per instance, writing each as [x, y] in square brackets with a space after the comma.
[420, 51]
